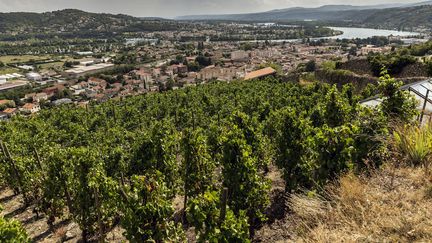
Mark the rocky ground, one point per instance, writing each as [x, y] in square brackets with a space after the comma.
[388, 205]
[64, 230]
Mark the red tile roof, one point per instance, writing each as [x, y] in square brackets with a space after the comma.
[9, 110]
[4, 102]
[260, 73]
[28, 106]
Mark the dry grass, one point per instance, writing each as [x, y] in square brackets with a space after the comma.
[389, 204]
[368, 209]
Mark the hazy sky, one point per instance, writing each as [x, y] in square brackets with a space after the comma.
[171, 8]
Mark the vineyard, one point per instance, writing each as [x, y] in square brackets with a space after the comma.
[125, 162]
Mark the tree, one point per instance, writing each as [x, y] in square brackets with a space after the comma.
[397, 104]
[70, 64]
[201, 46]
[203, 61]
[353, 51]
[310, 66]
[170, 84]
[193, 67]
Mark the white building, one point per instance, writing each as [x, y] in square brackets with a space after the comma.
[32, 76]
[6, 77]
[239, 55]
[3, 79]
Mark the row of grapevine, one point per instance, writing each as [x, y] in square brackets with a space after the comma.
[127, 161]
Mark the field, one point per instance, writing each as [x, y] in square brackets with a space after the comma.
[53, 65]
[25, 58]
[22, 58]
[8, 70]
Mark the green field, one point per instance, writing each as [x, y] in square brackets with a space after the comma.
[7, 70]
[53, 65]
[22, 58]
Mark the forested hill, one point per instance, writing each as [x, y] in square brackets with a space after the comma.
[401, 17]
[72, 20]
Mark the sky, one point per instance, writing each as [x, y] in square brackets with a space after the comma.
[172, 8]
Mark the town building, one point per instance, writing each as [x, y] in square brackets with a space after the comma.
[33, 76]
[30, 108]
[265, 72]
[83, 70]
[239, 55]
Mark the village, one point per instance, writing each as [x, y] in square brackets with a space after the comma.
[173, 65]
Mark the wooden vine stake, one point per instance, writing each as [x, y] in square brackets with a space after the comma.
[224, 202]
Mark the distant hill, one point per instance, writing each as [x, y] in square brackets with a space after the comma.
[74, 21]
[388, 15]
[420, 3]
[401, 18]
[63, 20]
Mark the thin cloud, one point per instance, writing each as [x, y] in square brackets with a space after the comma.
[171, 8]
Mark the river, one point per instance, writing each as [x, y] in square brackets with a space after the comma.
[363, 33]
[352, 33]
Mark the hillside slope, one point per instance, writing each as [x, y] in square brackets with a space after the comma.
[401, 17]
[391, 205]
[77, 21]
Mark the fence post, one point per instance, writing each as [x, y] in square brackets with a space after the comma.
[424, 107]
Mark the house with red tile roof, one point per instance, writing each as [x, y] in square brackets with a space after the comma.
[260, 73]
[30, 108]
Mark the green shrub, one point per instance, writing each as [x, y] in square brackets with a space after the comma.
[413, 144]
[147, 211]
[393, 62]
[12, 231]
[204, 212]
[397, 104]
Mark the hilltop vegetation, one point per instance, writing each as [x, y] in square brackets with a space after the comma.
[400, 18]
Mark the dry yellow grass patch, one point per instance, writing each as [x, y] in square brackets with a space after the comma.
[393, 205]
